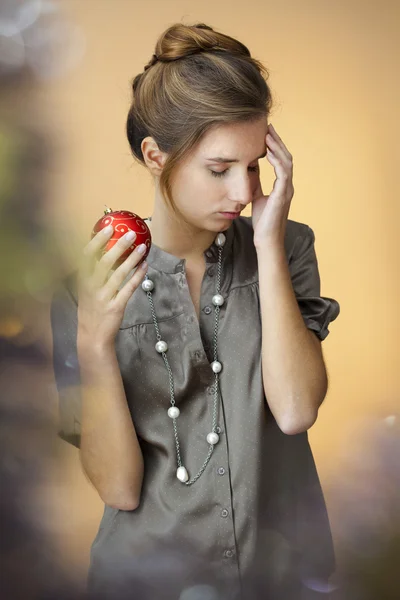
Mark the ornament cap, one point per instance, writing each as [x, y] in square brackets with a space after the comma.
[108, 210]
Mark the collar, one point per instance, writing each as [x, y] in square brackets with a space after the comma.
[168, 263]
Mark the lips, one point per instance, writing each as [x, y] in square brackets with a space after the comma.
[229, 215]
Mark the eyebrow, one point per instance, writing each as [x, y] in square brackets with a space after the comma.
[223, 159]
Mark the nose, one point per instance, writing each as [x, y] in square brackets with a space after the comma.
[243, 190]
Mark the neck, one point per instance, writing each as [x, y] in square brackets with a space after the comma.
[177, 240]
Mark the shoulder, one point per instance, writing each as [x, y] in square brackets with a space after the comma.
[70, 284]
[64, 300]
[293, 228]
[296, 232]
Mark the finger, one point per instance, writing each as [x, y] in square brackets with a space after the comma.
[277, 143]
[281, 187]
[279, 167]
[109, 258]
[276, 148]
[283, 168]
[123, 295]
[121, 273]
[92, 249]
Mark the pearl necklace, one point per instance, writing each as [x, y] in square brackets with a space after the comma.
[162, 347]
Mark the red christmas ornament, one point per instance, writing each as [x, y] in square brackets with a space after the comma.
[123, 221]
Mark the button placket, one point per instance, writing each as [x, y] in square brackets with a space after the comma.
[226, 529]
[205, 328]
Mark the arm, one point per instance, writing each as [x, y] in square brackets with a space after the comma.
[109, 450]
[294, 375]
[94, 413]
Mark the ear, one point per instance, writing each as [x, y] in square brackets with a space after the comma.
[153, 156]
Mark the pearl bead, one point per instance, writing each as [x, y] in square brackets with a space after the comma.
[218, 300]
[216, 366]
[161, 346]
[182, 474]
[174, 412]
[213, 438]
[220, 239]
[147, 285]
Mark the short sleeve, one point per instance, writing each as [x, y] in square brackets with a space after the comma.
[63, 316]
[317, 311]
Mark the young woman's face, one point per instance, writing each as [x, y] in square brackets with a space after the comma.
[204, 187]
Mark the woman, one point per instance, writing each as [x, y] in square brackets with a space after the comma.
[200, 374]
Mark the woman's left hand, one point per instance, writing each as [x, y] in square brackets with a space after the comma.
[270, 213]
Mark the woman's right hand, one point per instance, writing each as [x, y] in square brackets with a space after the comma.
[101, 304]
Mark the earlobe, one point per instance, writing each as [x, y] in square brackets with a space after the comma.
[152, 155]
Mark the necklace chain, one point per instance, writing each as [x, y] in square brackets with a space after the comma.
[171, 379]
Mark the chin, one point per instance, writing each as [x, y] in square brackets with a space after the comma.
[217, 227]
[227, 224]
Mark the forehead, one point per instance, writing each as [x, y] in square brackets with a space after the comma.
[235, 139]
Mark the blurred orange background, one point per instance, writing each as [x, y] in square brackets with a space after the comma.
[334, 76]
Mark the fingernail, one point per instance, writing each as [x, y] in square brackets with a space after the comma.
[141, 249]
[130, 235]
[107, 229]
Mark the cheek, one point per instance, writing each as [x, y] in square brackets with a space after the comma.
[186, 187]
[196, 179]
[204, 183]
[196, 191]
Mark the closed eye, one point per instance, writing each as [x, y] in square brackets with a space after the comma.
[222, 173]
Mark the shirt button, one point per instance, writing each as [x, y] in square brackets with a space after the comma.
[209, 254]
[198, 354]
[210, 391]
[224, 513]
[218, 429]
[221, 471]
[210, 271]
[228, 553]
[72, 361]
[207, 309]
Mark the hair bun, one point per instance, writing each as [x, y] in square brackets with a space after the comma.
[179, 41]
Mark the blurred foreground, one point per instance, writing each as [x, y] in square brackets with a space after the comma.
[34, 43]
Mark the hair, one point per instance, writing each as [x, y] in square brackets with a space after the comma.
[197, 79]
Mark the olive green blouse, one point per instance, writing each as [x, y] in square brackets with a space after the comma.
[254, 524]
